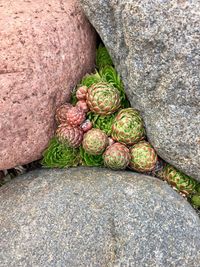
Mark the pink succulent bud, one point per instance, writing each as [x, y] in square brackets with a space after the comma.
[86, 126]
[70, 135]
[75, 116]
[81, 93]
[83, 105]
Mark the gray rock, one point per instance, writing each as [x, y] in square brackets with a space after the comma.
[155, 47]
[95, 217]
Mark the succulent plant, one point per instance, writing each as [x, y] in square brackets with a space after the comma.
[90, 79]
[116, 156]
[182, 182]
[86, 125]
[75, 116]
[59, 155]
[81, 92]
[128, 127]
[110, 75]
[90, 160]
[83, 105]
[101, 122]
[143, 157]
[103, 98]
[61, 113]
[95, 142]
[71, 136]
[102, 57]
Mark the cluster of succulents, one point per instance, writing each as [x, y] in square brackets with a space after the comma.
[99, 128]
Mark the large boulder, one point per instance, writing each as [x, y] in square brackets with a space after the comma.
[155, 47]
[95, 217]
[46, 47]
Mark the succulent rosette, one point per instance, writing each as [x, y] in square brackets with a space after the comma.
[75, 116]
[90, 160]
[103, 123]
[61, 113]
[179, 180]
[59, 155]
[143, 157]
[103, 98]
[90, 79]
[116, 156]
[71, 136]
[128, 127]
[95, 142]
[110, 75]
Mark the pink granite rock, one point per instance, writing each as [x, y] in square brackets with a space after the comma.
[45, 49]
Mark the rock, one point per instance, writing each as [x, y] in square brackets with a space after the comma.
[95, 217]
[155, 47]
[46, 47]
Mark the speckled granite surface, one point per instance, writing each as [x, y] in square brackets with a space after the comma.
[45, 49]
[95, 217]
[155, 47]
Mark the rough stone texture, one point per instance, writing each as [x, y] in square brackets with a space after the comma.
[98, 218]
[46, 47]
[155, 47]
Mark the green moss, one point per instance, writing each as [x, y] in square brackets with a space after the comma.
[59, 155]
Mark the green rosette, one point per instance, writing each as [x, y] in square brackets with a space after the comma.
[143, 157]
[102, 57]
[110, 75]
[181, 181]
[90, 160]
[59, 155]
[128, 127]
[90, 79]
[103, 98]
[103, 123]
